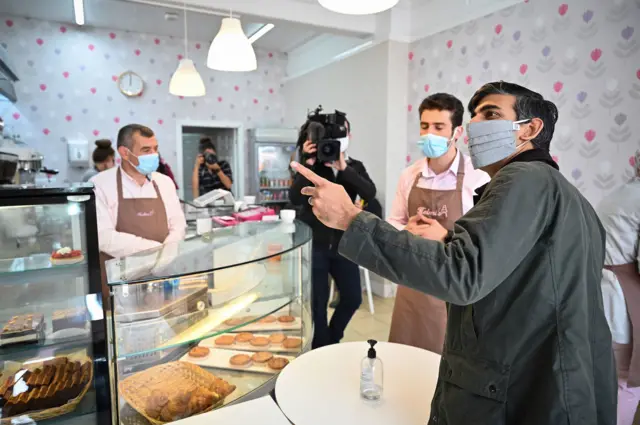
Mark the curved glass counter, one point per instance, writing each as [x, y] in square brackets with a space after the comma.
[190, 313]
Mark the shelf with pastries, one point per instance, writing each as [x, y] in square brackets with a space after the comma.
[255, 292]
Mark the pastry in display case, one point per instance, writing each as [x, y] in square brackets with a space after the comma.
[53, 367]
[209, 321]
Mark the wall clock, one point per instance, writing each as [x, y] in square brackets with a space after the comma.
[130, 84]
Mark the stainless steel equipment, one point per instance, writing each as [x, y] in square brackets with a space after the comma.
[29, 160]
[8, 167]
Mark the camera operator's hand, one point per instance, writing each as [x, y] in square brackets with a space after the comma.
[309, 148]
[199, 160]
[213, 167]
[340, 164]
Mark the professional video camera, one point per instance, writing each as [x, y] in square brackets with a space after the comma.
[327, 136]
[210, 158]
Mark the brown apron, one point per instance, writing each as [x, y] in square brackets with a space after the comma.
[420, 320]
[629, 279]
[142, 217]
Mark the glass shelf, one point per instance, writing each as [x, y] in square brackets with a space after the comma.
[222, 248]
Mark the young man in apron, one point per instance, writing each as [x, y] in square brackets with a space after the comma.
[440, 186]
[620, 216]
[137, 208]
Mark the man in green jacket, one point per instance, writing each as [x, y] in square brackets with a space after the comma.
[527, 342]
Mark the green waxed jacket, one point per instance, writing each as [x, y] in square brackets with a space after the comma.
[527, 342]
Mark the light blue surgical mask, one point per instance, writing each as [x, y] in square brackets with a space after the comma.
[147, 164]
[433, 146]
[492, 141]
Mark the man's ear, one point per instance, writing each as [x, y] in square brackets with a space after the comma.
[457, 132]
[530, 130]
[124, 153]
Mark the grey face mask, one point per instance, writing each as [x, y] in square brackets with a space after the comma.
[492, 141]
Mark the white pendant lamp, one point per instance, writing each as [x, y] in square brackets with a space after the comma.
[186, 81]
[231, 50]
[358, 7]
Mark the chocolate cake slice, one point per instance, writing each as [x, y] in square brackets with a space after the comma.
[70, 318]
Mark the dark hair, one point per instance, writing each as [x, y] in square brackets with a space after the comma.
[103, 151]
[444, 102]
[528, 104]
[125, 135]
[206, 142]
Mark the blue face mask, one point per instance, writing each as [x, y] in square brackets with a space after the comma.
[147, 164]
[433, 146]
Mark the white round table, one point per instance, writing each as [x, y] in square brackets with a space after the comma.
[323, 386]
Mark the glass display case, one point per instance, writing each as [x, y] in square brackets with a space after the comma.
[208, 321]
[53, 360]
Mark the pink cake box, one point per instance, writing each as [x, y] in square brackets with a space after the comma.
[225, 221]
[254, 214]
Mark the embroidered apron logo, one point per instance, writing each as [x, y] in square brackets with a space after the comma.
[438, 212]
[146, 214]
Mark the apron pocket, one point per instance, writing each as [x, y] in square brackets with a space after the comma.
[474, 391]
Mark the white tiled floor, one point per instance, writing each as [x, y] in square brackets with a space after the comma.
[365, 326]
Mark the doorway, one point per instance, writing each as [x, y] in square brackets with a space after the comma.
[229, 140]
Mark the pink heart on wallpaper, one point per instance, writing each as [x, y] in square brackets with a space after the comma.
[112, 35]
[63, 29]
[498, 29]
[408, 159]
[589, 135]
[409, 108]
[180, 57]
[410, 56]
[449, 44]
[65, 74]
[181, 97]
[91, 47]
[68, 118]
[198, 46]
[156, 41]
[270, 55]
[557, 86]
[9, 23]
[255, 101]
[96, 132]
[93, 90]
[555, 158]
[562, 10]
[46, 131]
[236, 88]
[114, 78]
[43, 87]
[638, 74]
[116, 120]
[219, 99]
[40, 41]
[426, 87]
[632, 161]
[270, 91]
[16, 116]
[160, 122]
[469, 79]
[137, 52]
[523, 68]
[596, 54]
[158, 82]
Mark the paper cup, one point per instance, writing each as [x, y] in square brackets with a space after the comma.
[288, 216]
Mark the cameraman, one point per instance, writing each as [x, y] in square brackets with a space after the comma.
[352, 175]
[209, 172]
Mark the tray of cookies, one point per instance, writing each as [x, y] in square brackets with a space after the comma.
[174, 391]
[279, 322]
[46, 389]
[276, 342]
[258, 362]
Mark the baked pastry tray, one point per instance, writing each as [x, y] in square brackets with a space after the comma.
[143, 305]
[219, 359]
[296, 325]
[272, 348]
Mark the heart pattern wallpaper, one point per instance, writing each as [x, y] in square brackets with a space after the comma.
[583, 55]
[68, 87]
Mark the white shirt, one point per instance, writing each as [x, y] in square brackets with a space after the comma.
[620, 216]
[119, 244]
[399, 216]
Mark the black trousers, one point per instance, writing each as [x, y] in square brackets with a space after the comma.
[346, 276]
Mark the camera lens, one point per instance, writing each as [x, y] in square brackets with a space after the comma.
[328, 149]
[210, 158]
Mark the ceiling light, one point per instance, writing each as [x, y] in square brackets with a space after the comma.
[186, 81]
[231, 50]
[262, 31]
[78, 11]
[358, 7]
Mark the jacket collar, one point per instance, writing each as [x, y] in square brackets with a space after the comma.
[526, 156]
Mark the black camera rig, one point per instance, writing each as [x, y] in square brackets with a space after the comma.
[326, 135]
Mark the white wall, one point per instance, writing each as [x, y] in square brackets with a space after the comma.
[355, 85]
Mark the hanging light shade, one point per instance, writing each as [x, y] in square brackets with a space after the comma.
[231, 50]
[358, 7]
[186, 81]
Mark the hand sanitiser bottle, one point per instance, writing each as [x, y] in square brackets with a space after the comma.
[371, 375]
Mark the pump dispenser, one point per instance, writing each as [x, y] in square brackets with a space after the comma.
[371, 374]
